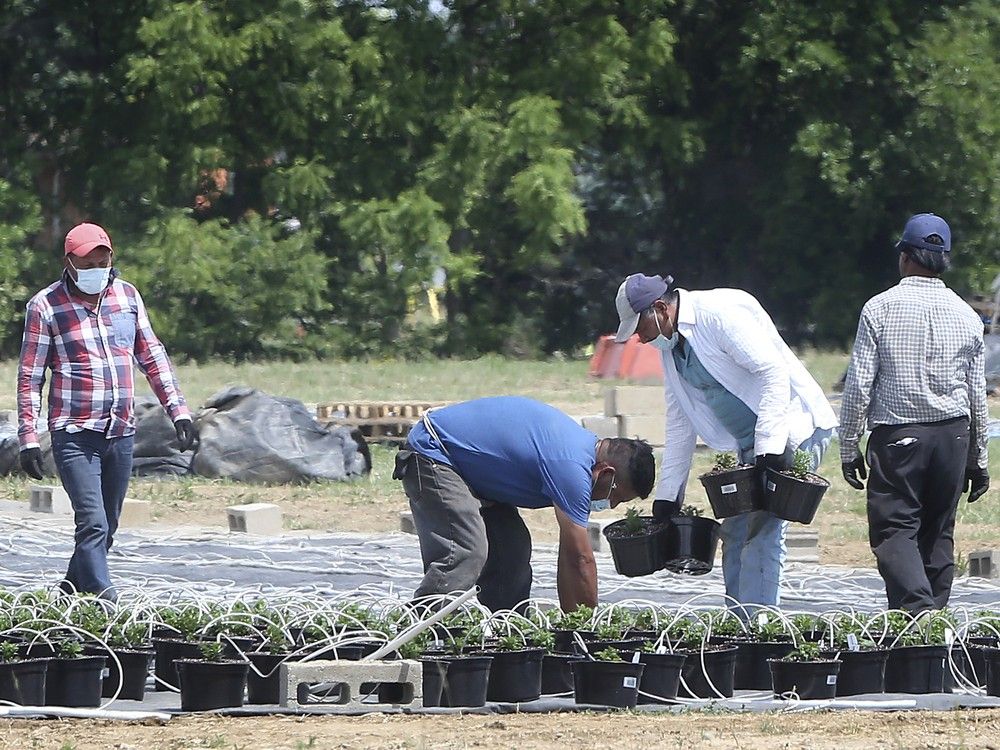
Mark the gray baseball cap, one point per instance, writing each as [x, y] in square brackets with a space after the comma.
[636, 294]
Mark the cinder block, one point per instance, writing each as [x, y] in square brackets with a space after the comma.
[644, 400]
[135, 513]
[406, 524]
[603, 427]
[595, 530]
[350, 682]
[802, 546]
[49, 499]
[984, 563]
[262, 519]
[651, 429]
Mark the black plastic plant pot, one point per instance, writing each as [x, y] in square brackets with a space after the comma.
[991, 657]
[166, 652]
[23, 682]
[434, 671]
[515, 676]
[791, 498]
[861, 672]
[975, 666]
[263, 690]
[752, 669]
[806, 680]
[732, 493]
[466, 681]
[557, 673]
[565, 642]
[607, 683]
[691, 542]
[208, 685]
[916, 669]
[134, 671]
[75, 683]
[232, 646]
[661, 677]
[708, 673]
[636, 554]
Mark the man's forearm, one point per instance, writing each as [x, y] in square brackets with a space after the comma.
[576, 578]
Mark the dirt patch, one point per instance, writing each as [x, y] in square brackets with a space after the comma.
[817, 731]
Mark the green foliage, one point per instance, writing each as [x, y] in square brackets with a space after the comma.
[634, 523]
[187, 621]
[8, 652]
[541, 638]
[69, 649]
[608, 654]
[580, 618]
[805, 652]
[801, 464]
[415, 649]
[512, 641]
[134, 636]
[211, 651]
[276, 641]
[726, 461]
[690, 511]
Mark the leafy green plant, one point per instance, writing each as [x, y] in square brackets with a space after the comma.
[725, 624]
[541, 638]
[69, 649]
[801, 464]
[276, 641]
[415, 649]
[211, 651]
[645, 619]
[8, 652]
[805, 652]
[579, 619]
[128, 637]
[608, 654]
[634, 523]
[725, 461]
[648, 647]
[513, 641]
[689, 511]
[609, 631]
[187, 621]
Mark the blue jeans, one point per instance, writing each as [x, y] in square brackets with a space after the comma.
[753, 544]
[95, 473]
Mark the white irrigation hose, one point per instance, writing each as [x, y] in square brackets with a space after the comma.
[408, 635]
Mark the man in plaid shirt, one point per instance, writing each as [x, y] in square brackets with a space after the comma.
[917, 375]
[87, 328]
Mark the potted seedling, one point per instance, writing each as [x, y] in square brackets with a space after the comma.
[733, 488]
[579, 620]
[805, 673]
[516, 669]
[607, 680]
[795, 493]
[262, 679]
[211, 681]
[74, 680]
[130, 645]
[662, 675]
[862, 660]
[709, 669]
[636, 544]
[918, 652]
[766, 638]
[467, 676]
[183, 625]
[557, 668]
[691, 542]
[22, 681]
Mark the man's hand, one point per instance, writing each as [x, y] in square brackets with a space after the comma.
[977, 481]
[664, 510]
[855, 471]
[186, 433]
[31, 462]
[770, 461]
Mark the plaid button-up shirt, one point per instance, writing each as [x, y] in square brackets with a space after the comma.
[90, 350]
[918, 357]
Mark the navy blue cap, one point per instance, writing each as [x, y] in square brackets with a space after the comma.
[920, 227]
[636, 294]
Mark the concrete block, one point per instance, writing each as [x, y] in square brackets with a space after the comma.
[135, 513]
[984, 563]
[645, 400]
[350, 683]
[603, 427]
[595, 530]
[801, 545]
[651, 429]
[49, 499]
[406, 524]
[262, 519]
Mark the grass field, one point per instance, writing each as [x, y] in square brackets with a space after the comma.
[373, 504]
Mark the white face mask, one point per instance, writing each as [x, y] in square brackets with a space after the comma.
[91, 280]
[661, 342]
[604, 503]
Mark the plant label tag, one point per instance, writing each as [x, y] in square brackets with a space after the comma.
[438, 643]
[106, 672]
[635, 658]
[852, 642]
[728, 489]
[949, 636]
[762, 619]
[771, 486]
[831, 679]
[629, 682]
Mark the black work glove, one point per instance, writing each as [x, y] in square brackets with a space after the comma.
[31, 462]
[664, 510]
[186, 433]
[770, 461]
[977, 481]
[854, 471]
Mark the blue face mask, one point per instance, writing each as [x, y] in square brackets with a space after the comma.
[661, 342]
[605, 503]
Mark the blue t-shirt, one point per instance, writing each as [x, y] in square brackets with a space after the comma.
[514, 450]
[738, 418]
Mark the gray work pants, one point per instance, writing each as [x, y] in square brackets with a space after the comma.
[917, 474]
[464, 542]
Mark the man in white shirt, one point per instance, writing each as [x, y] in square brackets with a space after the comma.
[731, 379]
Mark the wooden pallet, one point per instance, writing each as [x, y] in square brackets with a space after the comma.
[379, 421]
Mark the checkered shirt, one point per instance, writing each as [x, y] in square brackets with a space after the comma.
[90, 350]
[918, 357]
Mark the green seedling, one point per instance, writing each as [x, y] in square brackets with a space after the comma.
[689, 511]
[801, 464]
[276, 641]
[128, 637]
[415, 649]
[579, 619]
[540, 638]
[609, 631]
[608, 654]
[726, 462]
[211, 651]
[511, 642]
[69, 649]
[633, 521]
[805, 652]
[8, 652]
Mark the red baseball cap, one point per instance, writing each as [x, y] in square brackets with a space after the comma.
[83, 238]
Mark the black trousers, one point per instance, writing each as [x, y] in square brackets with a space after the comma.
[917, 477]
[464, 541]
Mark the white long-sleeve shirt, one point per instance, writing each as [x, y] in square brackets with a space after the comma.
[737, 343]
